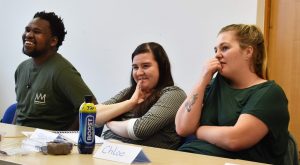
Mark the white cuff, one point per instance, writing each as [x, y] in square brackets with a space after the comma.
[130, 130]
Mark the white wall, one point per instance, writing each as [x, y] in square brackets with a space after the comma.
[103, 34]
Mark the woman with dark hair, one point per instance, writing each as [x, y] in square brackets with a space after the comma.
[145, 112]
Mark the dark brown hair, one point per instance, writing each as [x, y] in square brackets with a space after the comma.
[165, 76]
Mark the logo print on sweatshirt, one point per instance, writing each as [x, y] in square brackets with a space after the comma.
[40, 98]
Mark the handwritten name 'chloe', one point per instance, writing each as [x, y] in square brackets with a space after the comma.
[113, 151]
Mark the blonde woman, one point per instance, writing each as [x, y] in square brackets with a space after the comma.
[239, 113]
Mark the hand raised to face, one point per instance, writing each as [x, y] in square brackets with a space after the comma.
[210, 68]
[138, 95]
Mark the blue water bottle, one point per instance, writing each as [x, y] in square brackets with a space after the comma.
[87, 117]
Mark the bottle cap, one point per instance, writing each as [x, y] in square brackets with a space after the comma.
[88, 98]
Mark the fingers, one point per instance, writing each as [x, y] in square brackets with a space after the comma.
[215, 65]
[212, 66]
[140, 92]
[140, 101]
[138, 95]
[139, 84]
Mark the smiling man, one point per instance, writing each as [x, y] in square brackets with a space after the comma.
[48, 87]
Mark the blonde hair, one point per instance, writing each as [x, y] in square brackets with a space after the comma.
[251, 35]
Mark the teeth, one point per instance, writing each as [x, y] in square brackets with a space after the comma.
[28, 43]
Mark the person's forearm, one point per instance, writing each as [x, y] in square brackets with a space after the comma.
[234, 138]
[222, 136]
[214, 135]
[189, 113]
[107, 112]
[119, 128]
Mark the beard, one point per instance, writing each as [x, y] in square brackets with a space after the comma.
[33, 54]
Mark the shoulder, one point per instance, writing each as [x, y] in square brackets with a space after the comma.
[59, 60]
[173, 92]
[116, 98]
[172, 89]
[25, 63]
[275, 87]
[268, 98]
[124, 91]
[59, 66]
[272, 90]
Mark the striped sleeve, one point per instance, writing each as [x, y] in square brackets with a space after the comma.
[161, 114]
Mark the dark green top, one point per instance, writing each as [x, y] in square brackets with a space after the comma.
[222, 107]
[49, 96]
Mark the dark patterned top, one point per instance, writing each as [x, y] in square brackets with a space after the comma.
[156, 128]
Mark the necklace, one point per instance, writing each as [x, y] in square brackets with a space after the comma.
[31, 76]
[28, 86]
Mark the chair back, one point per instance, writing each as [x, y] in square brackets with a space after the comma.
[9, 114]
[291, 155]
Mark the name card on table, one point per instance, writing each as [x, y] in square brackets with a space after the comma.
[121, 153]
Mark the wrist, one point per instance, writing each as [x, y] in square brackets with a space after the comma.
[201, 85]
[131, 103]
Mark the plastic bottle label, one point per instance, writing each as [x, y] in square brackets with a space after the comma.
[89, 132]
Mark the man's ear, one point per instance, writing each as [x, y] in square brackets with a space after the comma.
[54, 41]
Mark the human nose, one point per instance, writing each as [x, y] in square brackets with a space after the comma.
[218, 55]
[28, 34]
[140, 71]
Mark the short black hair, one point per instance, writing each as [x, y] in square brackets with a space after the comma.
[56, 25]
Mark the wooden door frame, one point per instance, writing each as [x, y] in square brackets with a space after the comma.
[267, 14]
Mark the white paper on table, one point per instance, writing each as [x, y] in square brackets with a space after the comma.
[37, 139]
[43, 135]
